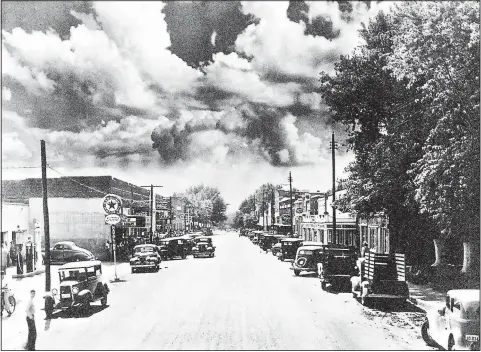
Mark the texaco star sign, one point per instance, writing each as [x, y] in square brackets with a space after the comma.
[112, 204]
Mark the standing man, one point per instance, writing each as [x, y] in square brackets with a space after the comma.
[32, 330]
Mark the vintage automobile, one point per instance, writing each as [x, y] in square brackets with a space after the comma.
[289, 248]
[267, 241]
[381, 277]
[146, 256]
[456, 325]
[276, 245]
[207, 231]
[81, 283]
[256, 236]
[203, 247]
[67, 251]
[173, 247]
[307, 257]
[337, 265]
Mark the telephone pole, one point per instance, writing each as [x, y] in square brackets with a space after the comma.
[46, 227]
[290, 195]
[333, 149]
[263, 211]
[152, 211]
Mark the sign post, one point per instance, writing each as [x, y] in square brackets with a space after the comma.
[112, 205]
[112, 229]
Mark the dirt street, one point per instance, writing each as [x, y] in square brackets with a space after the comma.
[240, 299]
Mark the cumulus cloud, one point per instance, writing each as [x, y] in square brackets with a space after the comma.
[113, 89]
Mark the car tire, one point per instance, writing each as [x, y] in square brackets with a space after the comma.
[297, 272]
[425, 334]
[132, 270]
[281, 259]
[103, 300]
[323, 285]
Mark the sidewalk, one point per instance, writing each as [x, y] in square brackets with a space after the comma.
[425, 297]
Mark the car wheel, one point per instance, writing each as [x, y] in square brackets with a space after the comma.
[281, 259]
[451, 346]
[425, 334]
[132, 270]
[297, 272]
[323, 285]
[103, 300]
[49, 303]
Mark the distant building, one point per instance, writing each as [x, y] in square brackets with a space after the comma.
[75, 210]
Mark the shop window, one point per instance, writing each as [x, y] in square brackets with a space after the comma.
[329, 236]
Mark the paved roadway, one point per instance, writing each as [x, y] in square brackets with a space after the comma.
[241, 299]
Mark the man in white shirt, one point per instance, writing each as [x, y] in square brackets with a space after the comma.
[32, 330]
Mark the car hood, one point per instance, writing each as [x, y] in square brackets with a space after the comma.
[69, 283]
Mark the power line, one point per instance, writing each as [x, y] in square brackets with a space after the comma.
[20, 167]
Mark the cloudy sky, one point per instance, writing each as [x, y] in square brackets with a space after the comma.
[178, 93]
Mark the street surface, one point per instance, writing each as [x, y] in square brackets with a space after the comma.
[240, 299]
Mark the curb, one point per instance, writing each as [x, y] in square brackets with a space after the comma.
[36, 272]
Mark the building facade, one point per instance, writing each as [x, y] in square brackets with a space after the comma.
[75, 209]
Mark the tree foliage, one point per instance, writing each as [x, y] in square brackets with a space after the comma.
[409, 98]
[206, 202]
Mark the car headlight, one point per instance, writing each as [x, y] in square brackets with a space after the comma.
[75, 290]
[54, 291]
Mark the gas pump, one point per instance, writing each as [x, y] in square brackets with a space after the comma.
[30, 255]
[19, 260]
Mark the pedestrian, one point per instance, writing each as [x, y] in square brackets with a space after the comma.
[13, 255]
[5, 296]
[365, 249]
[32, 330]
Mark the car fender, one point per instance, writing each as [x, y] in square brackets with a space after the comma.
[84, 294]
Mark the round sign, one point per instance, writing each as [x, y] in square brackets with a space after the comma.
[112, 219]
[112, 204]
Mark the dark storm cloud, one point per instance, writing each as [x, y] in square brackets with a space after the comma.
[191, 25]
[42, 15]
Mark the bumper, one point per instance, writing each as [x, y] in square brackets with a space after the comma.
[299, 268]
[203, 254]
[144, 265]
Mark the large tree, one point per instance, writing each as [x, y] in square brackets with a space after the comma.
[206, 203]
[385, 133]
[438, 43]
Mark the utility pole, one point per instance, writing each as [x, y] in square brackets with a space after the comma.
[273, 215]
[152, 210]
[170, 212]
[333, 149]
[185, 217]
[46, 227]
[255, 215]
[131, 199]
[290, 195]
[263, 211]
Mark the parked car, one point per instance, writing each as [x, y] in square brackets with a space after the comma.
[381, 277]
[67, 251]
[203, 247]
[81, 284]
[276, 245]
[207, 231]
[146, 256]
[307, 258]
[289, 248]
[456, 324]
[173, 247]
[337, 265]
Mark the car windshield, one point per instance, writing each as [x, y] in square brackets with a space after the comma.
[72, 274]
[144, 249]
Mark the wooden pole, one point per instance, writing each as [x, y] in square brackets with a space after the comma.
[290, 195]
[334, 230]
[46, 227]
